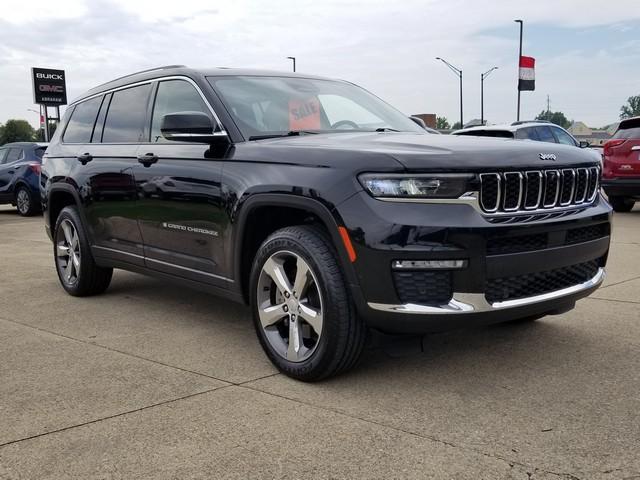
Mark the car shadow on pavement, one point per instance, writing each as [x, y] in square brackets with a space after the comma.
[543, 343]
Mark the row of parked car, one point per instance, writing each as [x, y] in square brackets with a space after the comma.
[20, 162]
[621, 154]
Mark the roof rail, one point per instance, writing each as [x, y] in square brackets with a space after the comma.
[522, 122]
[164, 67]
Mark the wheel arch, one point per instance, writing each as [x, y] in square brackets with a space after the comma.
[58, 197]
[247, 235]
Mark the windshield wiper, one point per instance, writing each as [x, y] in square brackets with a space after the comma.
[293, 133]
[386, 129]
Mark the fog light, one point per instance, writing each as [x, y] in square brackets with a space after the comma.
[428, 264]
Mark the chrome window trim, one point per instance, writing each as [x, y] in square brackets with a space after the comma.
[462, 303]
[222, 132]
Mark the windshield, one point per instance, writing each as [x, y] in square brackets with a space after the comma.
[263, 106]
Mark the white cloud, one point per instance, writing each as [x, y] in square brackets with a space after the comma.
[386, 47]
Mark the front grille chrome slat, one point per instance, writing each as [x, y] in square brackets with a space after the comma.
[538, 190]
[513, 189]
[551, 188]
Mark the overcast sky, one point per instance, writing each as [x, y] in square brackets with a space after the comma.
[587, 51]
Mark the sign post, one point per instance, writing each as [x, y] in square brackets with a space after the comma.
[49, 89]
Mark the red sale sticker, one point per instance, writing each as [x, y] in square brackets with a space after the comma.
[304, 114]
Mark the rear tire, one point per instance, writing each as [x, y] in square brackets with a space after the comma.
[76, 268]
[25, 203]
[622, 204]
[303, 258]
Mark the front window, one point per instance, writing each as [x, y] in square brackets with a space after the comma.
[564, 138]
[280, 105]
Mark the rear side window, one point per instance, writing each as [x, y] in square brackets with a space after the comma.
[126, 116]
[14, 154]
[545, 134]
[563, 137]
[527, 134]
[174, 96]
[628, 129]
[80, 126]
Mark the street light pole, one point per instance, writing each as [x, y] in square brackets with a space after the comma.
[519, 57]
[294, 62]
[482, 77]
[458, 72]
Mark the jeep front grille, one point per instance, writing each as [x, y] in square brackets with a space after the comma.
[509, 192]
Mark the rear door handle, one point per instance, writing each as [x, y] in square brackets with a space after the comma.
[84, 158]
[147, 159]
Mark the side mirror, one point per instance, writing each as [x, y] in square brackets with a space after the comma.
[419, 122]
[584, 144]
[194, 127]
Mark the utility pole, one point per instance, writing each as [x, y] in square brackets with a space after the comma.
[519, 57]
[548, 105]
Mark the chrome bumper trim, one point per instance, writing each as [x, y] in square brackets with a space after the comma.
[476, 302]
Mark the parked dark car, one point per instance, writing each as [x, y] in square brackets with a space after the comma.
[19, 175]
[621, 174]
[321, 206]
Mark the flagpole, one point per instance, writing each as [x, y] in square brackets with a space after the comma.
[519, 57]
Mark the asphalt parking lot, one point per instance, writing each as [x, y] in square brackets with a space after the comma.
[151, 380]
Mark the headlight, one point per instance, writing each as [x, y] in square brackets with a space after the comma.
[445, 185]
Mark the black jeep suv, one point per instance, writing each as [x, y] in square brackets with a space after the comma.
[321, 206]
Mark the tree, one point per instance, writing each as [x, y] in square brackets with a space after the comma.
[631, 109]
[456, 126]
[442, 123]
[16, 131]
[554, 117]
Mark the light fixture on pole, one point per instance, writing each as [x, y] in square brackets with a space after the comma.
[293, 59]
[482, 77]
[458, 72]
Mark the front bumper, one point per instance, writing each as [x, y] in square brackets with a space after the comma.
[493, 285]
[622, 187]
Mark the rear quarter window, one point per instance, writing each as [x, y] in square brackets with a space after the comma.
[83, 118]
[39, 152]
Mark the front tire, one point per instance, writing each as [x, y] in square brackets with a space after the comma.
[303, 314]
[622, 204]
[25, 202]
[76, 268]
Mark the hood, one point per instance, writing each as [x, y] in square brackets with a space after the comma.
[417, 151]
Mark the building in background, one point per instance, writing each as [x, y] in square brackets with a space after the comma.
[428, 118]
[594, 136]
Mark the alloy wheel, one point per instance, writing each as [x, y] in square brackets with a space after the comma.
[23, 201]
[290, 306]
[68, 252]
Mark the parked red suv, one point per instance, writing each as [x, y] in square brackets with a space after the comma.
[621, 172]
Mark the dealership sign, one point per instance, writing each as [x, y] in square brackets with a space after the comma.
[49, 86]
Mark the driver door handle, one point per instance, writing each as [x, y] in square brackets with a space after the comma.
[147, 159]
[84, 158]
